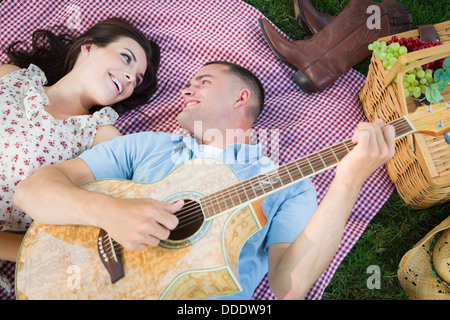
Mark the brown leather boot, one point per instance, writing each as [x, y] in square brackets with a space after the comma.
[308, 18]
[312, 21]
[327, 55]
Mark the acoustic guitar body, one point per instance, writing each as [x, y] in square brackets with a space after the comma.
[63, 262]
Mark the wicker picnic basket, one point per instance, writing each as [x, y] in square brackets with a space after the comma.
[420, 168]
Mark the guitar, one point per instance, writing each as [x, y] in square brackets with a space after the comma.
[199, 259]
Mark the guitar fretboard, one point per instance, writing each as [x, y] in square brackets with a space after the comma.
[285, 175]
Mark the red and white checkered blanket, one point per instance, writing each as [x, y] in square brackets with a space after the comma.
[191, 33]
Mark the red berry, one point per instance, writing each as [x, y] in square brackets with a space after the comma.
[438, 64]
[417, 42]
[394, 38]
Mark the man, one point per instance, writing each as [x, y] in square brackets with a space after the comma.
[299, 239]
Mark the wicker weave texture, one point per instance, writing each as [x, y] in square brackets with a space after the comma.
[420, 168]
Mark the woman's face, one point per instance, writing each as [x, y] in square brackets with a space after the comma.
[111, 73]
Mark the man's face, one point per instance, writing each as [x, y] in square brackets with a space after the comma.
[208, 97]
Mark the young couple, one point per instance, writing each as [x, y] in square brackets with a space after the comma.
[299, 239]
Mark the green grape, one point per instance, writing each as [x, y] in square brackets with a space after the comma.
[376, 44]
[402, 51]
[420, 73]
[370, 47]
[395, 46]
[410, 78]
[423, 88]
[406, 92]
[415, 83]
[428, 75]
[385, 63]
[406, 84]
[392, 60]
[416, 94]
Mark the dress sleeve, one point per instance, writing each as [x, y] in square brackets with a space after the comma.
[105, 116]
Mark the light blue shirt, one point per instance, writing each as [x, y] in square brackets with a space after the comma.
[149, 157]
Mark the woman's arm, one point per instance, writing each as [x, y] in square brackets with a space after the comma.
[7, 68]
[104, 133]
[10, 245]
[135, 223]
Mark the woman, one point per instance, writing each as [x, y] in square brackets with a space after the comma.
[51, 107]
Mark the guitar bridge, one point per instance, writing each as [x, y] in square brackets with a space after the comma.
[109, 257]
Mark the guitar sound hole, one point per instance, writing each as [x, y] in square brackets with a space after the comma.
[190, 219]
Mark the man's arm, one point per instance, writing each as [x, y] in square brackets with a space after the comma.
[294, 268]
[51, 196]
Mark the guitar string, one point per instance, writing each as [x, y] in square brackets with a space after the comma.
[250, 182]
[313, 162]
[338, 148]
[314, 159]
[319, 159]
[404, 127]
[319, 155]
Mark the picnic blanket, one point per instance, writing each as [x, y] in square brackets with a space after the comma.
[190, 33]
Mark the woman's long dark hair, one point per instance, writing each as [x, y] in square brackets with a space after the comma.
[56, 55]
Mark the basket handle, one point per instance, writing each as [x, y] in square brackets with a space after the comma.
[434, 53]
[422, 56]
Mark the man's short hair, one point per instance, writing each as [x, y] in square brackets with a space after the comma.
[250, 79]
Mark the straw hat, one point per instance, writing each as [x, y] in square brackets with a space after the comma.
[424, 271]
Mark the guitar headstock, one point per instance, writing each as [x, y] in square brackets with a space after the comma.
[433, 120]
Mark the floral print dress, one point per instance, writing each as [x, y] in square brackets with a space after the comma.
[31, 138]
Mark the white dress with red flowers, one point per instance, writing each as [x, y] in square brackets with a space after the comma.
[31, 138]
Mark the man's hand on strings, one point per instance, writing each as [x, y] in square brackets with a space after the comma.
[375, 144]
[139, 223]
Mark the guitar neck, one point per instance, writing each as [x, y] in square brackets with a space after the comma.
[264, 184]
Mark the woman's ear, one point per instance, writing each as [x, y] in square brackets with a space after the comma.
[243, 98]
[86, 48]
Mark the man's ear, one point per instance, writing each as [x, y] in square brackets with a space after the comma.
[243, 98]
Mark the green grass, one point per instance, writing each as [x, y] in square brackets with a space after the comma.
[396, 228]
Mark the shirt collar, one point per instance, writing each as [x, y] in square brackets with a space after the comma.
[237, 152]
